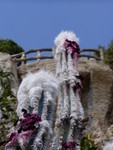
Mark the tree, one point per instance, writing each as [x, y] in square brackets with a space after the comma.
[108, 55]
[9, 46]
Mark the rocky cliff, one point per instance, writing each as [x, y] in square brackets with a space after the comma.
[97, 94]
[8, 66]
[97, 98]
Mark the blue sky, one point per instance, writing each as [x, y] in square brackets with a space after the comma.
[35, 23]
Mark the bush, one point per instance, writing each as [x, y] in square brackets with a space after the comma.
[10, 47]
[87, 143]
[108, 55]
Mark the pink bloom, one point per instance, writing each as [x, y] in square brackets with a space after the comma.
[29, 121]
[13, 137]
[12, 141]
[71, 46]
[69, 145]
[26, 129]
[24, 136]
[73, 49]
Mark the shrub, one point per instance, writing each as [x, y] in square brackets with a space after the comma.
[87, 143]
[108, 55]
[10, 47]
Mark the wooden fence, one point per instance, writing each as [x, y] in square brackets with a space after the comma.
[23, 59]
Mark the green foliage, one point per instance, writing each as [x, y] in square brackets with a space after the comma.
[9, 46]
[87, 143]
[108, 54]
[7, 104]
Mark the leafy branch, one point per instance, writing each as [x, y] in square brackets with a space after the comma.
[87, 143]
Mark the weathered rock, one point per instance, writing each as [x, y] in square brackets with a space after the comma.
[9, 66]
[97, 97]
[33, 67]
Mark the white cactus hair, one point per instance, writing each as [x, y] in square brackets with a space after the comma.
[63, 35]
[69, 104]
[32, 85]
[108, 146]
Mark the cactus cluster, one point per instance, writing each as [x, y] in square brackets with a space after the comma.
[37, 97]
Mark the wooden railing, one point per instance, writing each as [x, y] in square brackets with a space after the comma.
[97, 53]
[22, 57]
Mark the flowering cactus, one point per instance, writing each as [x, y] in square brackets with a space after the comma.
[36, 105]
[68, 127]
[37, 101]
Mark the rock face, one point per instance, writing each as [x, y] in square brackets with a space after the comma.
[33, 67]
[7, 65]
[96, 97]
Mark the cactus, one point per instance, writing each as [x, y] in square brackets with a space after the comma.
[37, 102]
[68, 127]
[36, 105]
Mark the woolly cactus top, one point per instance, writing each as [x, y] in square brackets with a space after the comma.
[62, 36]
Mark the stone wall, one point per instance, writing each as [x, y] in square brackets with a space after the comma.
[9, 66]
[97, 98]
[47, 64]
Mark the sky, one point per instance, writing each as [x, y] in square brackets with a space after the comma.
[34, 24]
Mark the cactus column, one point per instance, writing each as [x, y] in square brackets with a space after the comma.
[68, 127]
[36, 106]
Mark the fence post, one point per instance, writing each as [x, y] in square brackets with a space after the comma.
[38, 55]
[101, 54]
[22, 57]
[53, 51]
